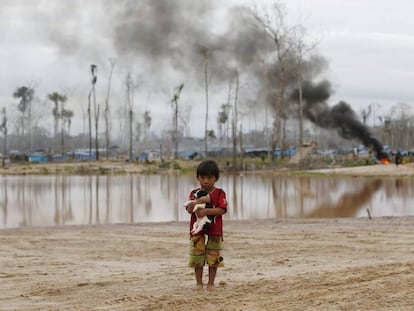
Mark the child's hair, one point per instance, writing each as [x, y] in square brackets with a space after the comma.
[208, 168]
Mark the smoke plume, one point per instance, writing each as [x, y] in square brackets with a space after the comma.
[179, 32]
[340, 117]
[177, 36]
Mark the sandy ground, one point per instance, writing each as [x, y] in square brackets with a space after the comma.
[372, 170]
[327, 264]
[318, 264]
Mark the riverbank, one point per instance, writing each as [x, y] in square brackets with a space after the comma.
[312, 264]
[123, 167]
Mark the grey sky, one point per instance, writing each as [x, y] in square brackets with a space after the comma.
[369, 45]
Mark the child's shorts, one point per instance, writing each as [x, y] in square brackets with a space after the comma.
[202, 253]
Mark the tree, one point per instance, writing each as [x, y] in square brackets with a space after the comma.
[90, 123]
[204, 51]
[130, 89]
[235, 116]
[107, 118]
[57, 112]
[174, 102]
[184, 115]
[301, 48]
[401, 120]
[228, 110]
[26, 95]
[3, 129]
[67, 116]
[365, 113]
[222, 118]
[94, 70]
[276, 29]
[147, 123]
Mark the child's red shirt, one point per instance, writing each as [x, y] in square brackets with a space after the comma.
[218, 199]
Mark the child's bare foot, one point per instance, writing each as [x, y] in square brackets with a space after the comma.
[200, 286]
[210, 286]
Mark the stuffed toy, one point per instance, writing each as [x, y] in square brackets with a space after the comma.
[202, 223]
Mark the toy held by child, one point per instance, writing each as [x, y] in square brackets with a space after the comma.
[204, 222]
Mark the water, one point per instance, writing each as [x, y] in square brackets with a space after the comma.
[81, 200]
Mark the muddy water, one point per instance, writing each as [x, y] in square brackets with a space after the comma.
[79, 200]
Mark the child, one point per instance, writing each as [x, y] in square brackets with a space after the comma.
[201, 252]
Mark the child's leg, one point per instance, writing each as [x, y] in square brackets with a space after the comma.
[213, 258]
[197, 257]
[211, 276]
[199, 276]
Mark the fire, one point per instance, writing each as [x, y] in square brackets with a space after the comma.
[385, 161]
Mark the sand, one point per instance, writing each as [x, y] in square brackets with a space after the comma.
[318, 264]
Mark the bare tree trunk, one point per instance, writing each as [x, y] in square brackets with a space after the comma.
[5, 142]
[62, 139]
[241, 146]
[4, 130]
[228, 123]
[129, 86]
[56, 124]
[96, 115]
[96, 112]
[176, 130]
[107, 138]
[266, 131]
[23, 137]
[206, 90]
[90, 124]
[280, 103]
[30, 126]
[174, 101]
[96, 127]
[277, 30]
[130, 115]
[301, 48]
[300, 116]
[234, 125]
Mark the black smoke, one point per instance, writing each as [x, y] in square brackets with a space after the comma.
[339, 117]
[178, 32]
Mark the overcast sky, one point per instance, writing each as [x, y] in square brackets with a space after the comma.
[369, 45]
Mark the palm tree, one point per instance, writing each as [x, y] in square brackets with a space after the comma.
[94, 72]
[26, 95]
[57, 112]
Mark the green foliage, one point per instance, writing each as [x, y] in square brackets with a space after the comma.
[164, 165]
[26, 96]
[358, 162]
[211, 134]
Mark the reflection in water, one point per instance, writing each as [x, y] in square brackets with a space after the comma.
[82, 200]
[348, 203]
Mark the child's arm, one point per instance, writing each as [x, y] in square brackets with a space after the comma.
[220, 209]
[189, 205]
[210, 211]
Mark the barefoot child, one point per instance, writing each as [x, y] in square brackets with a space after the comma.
[201, 252]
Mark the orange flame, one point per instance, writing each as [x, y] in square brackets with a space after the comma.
[385, 161]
